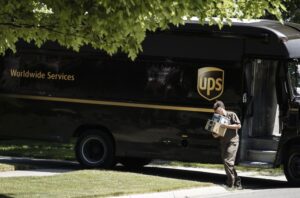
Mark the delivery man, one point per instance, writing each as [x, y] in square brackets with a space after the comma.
[229, 145]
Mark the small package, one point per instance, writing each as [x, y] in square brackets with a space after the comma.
[219, 118]
[214, 125]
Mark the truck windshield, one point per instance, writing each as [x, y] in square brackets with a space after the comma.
[294, 75]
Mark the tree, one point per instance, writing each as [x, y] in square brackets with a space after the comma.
[112, 26]
[293, 11]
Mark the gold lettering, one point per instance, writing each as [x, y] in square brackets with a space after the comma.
[202, 85]
[61, 76]
[27, 74]
[13, 73]
[219, 82]
[71, 77]
[210, 85]
[40, 75]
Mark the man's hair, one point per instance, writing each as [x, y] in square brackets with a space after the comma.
[218, 104]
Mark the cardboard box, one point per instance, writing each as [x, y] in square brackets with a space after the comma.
[215, 128]
[221, 119]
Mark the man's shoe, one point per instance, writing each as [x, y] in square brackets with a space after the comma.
[238, 187]
[238, 184]
[229, 188]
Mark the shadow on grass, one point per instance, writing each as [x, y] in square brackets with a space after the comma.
[37, 149]
[5, 196]
[25, 163]
[217, 179]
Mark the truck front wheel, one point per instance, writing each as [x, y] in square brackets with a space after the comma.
[95, 150]
[292, 168]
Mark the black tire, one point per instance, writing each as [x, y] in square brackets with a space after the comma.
[292, 167]
[134, 163]
[95, 150]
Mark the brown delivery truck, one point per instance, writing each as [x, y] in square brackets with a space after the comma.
[156, 106]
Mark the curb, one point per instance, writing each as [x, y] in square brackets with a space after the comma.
[212, 191]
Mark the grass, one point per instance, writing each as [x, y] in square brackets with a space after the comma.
[195, 165]
[37, 149]
[260, 171]
[91, 183]
[46, 150]
[7, 167]
[13, 167]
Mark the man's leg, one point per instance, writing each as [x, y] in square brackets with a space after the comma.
[238, 181]
[224, 146]
[229, 155]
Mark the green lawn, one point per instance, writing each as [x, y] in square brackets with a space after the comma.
[38, 149]
[90, 183]
[13, 167]
[260, 171]
[7, 167]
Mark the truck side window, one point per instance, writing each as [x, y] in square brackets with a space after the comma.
[163, 81]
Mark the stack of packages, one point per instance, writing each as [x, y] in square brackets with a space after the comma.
[214, 125]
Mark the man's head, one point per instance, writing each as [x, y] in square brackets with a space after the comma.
[219, 107]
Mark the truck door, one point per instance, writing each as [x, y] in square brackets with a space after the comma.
[261, 94]
[261, 133]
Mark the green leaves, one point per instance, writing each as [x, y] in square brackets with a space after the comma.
[292, 11]
[113, 26]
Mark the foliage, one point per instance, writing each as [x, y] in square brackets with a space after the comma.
[293, 11]
[113, 26]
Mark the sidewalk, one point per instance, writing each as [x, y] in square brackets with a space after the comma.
[33, 173]
[213, 191]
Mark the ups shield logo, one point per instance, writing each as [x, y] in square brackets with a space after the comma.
[210, 83]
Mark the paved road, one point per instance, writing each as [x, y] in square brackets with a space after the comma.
[267, 193]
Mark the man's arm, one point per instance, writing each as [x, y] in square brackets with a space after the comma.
[231, 126]
[236, 124]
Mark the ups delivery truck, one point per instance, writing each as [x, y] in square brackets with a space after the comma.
[156, 106]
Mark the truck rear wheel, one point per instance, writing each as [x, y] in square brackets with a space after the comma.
[95, 150]
[134, 163]
[292, 167]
